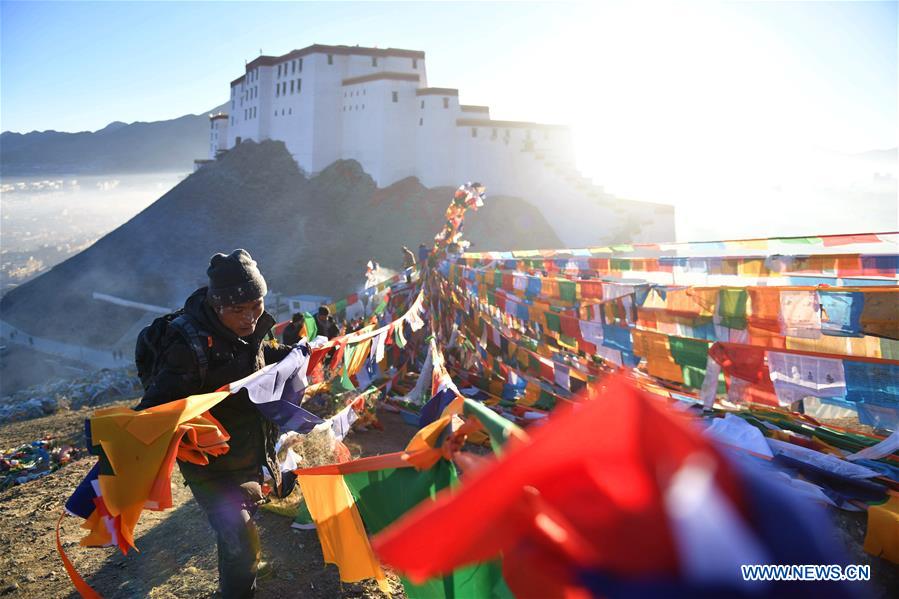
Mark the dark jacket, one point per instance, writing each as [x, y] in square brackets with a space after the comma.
[231, 358]
[291, 333]
[327, 327]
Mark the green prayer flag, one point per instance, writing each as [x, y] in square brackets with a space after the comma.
[689, 352]
[553, 323]
[383, 496]
[567, 290]
[569, 341]
[498, 428]
[344, 383]
[801, 240]
[534, 364]
[398, 338]
[693, 378]
[620, 264]
[311, 326]
[732, 307]
[546, 401]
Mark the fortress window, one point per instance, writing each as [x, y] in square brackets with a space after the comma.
[330, 59]
[291, 86]
[276, 113]
[414, 63]
[293, 67]
[300, 67]
[396, 96]
[277, 89]
[422, 104]
[254, 112]
[421, 122]
[299, 85]
[474, 131]
[446, 102]
[279, 70]
[374, 61]
[290, 111]
[363, 91]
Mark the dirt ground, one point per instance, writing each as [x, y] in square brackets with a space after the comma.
[177, 555]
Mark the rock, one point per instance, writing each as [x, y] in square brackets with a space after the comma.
[98, 388]
[12, 588]
[30, 577]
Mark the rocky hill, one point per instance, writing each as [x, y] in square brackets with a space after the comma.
[309, 235]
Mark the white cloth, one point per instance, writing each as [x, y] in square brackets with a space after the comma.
[875, 452]
[342, 421]
[710, 383]
[821, 460]
[591, 331]
[736, 432]
[798, 376]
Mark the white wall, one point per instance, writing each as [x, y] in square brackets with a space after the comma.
[435, 142]
[324, 121]
[218, 135]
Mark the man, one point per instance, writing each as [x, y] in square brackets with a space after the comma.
[291, 333]
[327, 327]
[408, 262]
[408, 258]
[230, 313]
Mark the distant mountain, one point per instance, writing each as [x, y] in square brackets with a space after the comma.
[890, 155]
[160, 146]
[310, 236]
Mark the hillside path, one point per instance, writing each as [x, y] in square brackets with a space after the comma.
[79, 353]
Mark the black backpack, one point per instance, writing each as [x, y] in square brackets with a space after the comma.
[151, 345]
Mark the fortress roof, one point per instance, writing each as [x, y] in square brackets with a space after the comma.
[508, 124]
[436, 91]
[265, 60]
[382, 75]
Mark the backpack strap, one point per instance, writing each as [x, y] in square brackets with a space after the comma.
[197, 339]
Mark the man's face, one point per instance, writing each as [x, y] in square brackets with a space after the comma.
[241, 319]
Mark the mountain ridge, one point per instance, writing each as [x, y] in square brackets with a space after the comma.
[309, 236]
[138, 147]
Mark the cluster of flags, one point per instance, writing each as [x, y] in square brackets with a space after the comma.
[780, 343]
[616, 490]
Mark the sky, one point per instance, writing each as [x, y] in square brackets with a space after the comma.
[700, 104]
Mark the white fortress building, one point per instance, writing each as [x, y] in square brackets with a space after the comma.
[375, 106]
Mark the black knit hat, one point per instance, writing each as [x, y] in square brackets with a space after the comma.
[234, 279]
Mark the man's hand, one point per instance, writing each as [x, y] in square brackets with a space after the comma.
[253, 492]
